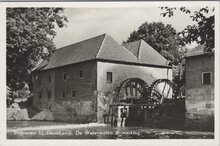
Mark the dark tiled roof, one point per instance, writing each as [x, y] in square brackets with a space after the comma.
[145, 53]
[133, 47]
[111, 50]
[78, 52]
[103, 47]
[199, 50]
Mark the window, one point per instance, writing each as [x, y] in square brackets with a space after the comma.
[109, 77]
[48, 94]
[73, 94]
[49, 78]
[64, 76]
[40, 95]
[206, 78]
[63, 94]
[81, 74]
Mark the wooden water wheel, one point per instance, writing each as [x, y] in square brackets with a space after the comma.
[161, 91]
[132, 90]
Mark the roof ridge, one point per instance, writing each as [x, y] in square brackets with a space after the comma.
[139, 44]
[80, 41]
[139, 49]
[129, 52]
[101, 46]
[104, 47]
[110, 37]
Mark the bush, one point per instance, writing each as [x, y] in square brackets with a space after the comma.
[24, 93]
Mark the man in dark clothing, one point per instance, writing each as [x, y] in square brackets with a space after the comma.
[123, 117]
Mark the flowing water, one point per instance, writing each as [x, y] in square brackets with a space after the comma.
[58, 130]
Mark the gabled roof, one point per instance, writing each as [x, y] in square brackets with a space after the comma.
[145, 53]
[103, 47]
[133, 47]
[75, 53]
[111, 50]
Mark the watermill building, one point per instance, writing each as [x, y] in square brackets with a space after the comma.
[80, 81]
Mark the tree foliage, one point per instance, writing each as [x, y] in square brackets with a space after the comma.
[163, 38]
[202, 32]
[30, 34]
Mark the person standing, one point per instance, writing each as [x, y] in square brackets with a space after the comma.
[123, 117]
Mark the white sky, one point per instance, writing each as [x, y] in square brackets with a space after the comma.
[118, 22]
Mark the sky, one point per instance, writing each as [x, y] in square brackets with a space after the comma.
[85, 23]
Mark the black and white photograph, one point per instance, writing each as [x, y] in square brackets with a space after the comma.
[131, 71]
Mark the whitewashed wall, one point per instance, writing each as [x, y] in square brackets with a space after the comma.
[122, 71]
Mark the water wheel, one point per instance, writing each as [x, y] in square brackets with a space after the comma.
[161, 91]
[132, 90]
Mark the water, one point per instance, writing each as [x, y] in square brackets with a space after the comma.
[58, 130]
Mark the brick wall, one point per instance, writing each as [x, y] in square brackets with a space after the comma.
[194, 68]
[83, 86]
[81, 107]
[42, 85]
[199, 97]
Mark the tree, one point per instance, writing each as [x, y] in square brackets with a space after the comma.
[202, 32]
[30, 34]
[163, 38]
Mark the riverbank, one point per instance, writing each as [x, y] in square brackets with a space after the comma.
[58, 130]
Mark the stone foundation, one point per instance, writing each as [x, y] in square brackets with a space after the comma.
[200, 108]
[199, 122]
[75, 111]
